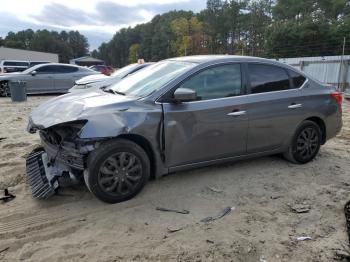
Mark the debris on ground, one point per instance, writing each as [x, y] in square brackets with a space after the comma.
[174, 229]
[347, 217]
[185, 212]
[214, 189]
[7, 196]
[5, 249]
[223, 213]
[303, 238]
[341, 255]
[300, 208]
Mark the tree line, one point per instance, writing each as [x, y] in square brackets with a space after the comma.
[266, 28]
[67, 45]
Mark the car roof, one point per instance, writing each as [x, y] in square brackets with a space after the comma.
[216, 58]
[59, 64]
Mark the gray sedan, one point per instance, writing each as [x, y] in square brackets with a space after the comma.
[176, 115]
[45, 78]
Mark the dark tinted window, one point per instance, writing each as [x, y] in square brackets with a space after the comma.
[298, 79]
[66, 69]
[56, 69]
[266, 78]
[46, 70]
[13, 63]
[216, 82]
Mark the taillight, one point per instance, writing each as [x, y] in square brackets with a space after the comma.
[338, 97]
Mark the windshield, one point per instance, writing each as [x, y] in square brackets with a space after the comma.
[30, 69]
[124, 70]
[150, 79]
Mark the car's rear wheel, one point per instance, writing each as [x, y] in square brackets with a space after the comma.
[305, 144]
[117, 171]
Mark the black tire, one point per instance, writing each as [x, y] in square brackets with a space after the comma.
[5, 90]
[305, 144]
[107, 175]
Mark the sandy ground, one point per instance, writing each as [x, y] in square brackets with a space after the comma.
[74, 226]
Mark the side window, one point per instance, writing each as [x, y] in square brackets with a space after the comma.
[217, 82]
[46, 70]
[298, 79]
[267, 78]
[66, 69]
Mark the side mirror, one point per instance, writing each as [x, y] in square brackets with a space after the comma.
[33, 73]
[184, 95]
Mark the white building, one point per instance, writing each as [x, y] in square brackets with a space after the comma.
[26, 55]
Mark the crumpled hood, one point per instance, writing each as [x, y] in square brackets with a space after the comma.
[91, 79]
[10, 76]
[75, 106]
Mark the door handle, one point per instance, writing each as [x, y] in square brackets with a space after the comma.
[237, 113]
[294, 106]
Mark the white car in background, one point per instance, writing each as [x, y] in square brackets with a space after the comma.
[101, 80]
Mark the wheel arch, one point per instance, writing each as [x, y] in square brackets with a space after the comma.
[319, 121]
[146, 146]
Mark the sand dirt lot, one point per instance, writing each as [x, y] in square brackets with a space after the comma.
[75, 226]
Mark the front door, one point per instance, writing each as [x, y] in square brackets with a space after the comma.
[212, 127]
[41, 81]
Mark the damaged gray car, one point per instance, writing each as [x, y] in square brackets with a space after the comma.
[175, 115]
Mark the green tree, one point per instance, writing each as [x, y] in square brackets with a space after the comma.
[134, 53]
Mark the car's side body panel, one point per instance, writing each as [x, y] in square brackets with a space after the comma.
[191, 134]
[204, 130]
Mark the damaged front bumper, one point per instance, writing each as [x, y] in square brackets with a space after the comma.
[40, 176]
[53, 166]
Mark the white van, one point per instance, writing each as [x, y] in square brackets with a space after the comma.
[11, 66]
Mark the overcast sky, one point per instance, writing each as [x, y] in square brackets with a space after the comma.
[98, 20]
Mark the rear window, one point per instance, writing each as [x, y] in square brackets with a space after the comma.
[267, 78]
[298, 79]
[14, 63]
[67, 69]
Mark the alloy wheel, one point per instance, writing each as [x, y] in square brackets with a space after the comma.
[307, 143]
[120, 174]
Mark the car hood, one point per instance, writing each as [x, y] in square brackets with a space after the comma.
[92, 78]
[76, 106]
[10, 76]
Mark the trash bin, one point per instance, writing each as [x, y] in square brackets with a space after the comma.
[18, 91]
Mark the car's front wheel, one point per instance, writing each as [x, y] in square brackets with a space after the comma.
[305, 144]
[117, 171]
[5, 89]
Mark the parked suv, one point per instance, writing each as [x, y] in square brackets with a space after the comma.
[179, 114]
[11, 66]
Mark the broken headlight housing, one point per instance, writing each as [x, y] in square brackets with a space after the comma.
[65, 132]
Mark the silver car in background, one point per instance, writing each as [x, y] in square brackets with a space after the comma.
[45, 78]
[101, 80]
[179, 114]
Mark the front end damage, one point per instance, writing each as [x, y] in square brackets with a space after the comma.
[60, 161]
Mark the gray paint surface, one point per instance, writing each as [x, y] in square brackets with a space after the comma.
[47, 82]
[190, 134]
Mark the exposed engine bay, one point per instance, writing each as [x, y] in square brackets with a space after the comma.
[60, 161]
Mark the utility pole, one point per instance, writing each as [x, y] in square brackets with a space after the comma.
[341, 66]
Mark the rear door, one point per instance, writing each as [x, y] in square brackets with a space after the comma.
[65, 77]
[212, 127]
[275, 107]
